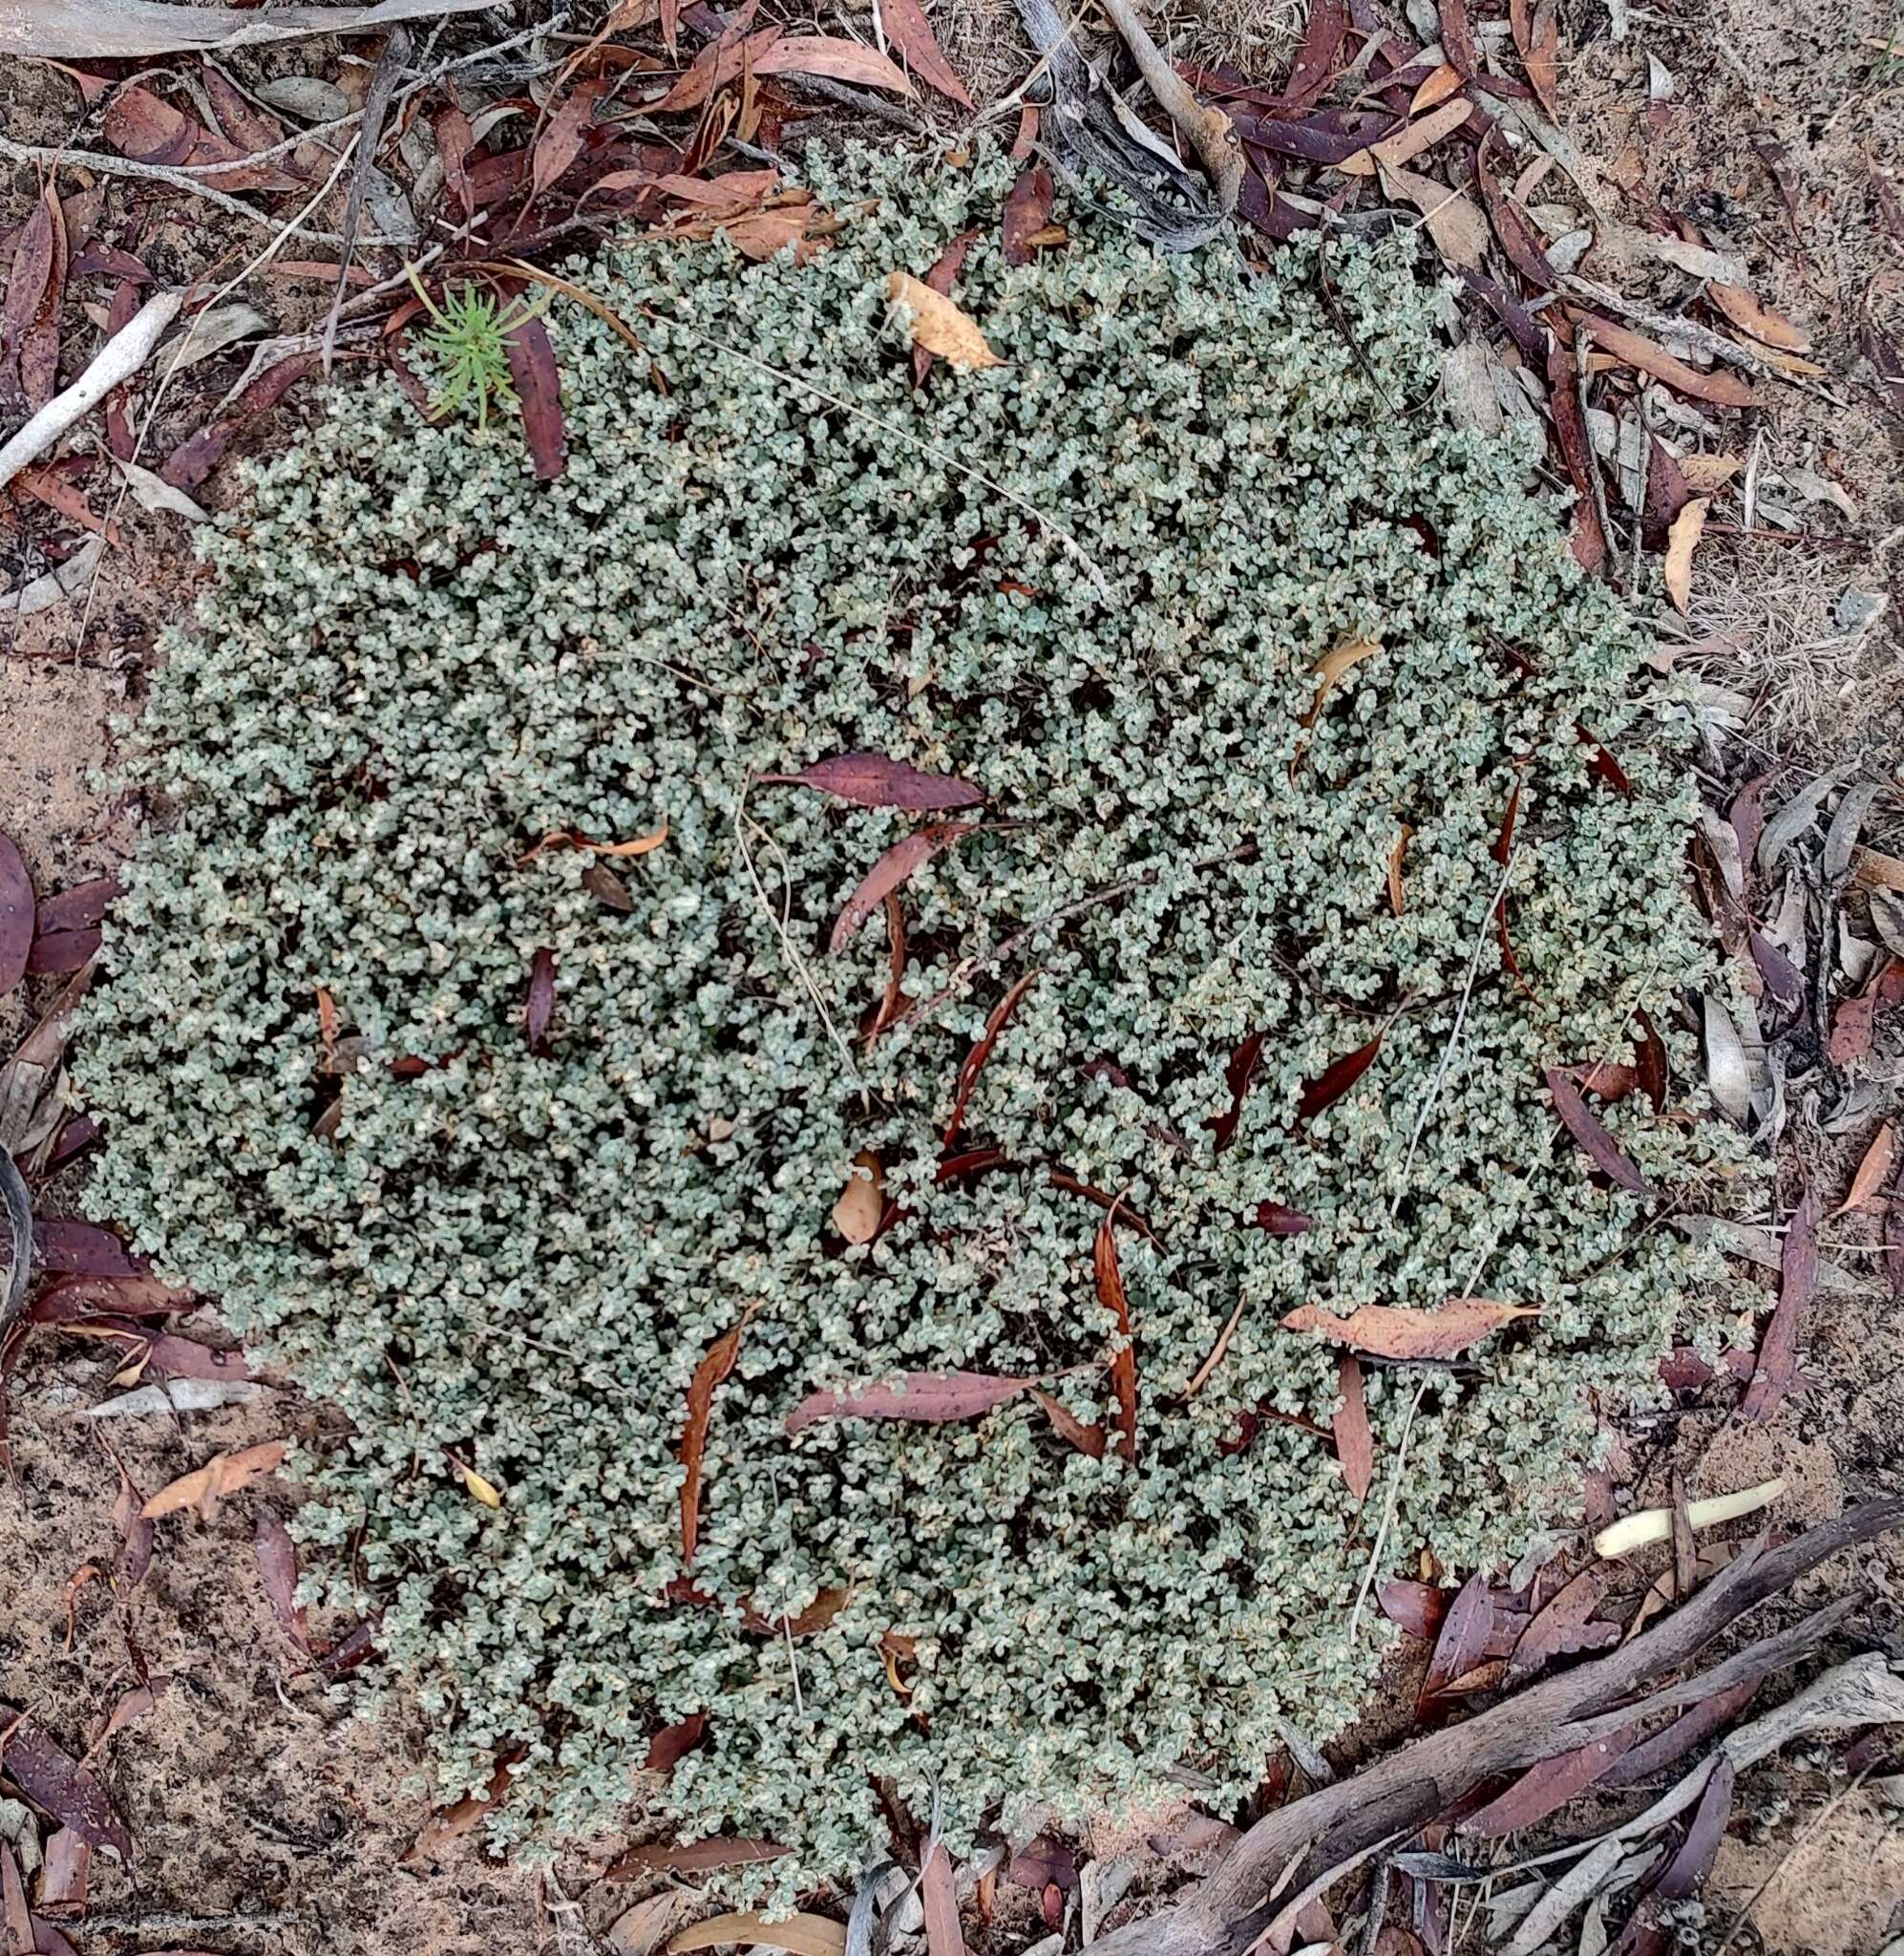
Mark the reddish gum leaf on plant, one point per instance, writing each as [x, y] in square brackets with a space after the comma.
[1599, 1146]
[538, 392]
[1336, 1079]
[673, 1743]
[1465, 1633]
[1872, 1171]
[224, 1474]
[1027, 210]
[893, 868]
[16, 915]
[1280, 1221]
[1086, 1438]
[872, 780]
[1798, 1284]
[924, 1399]
[541, 1004]
[1355, 1444]
[709, 1374]
[1109, 1275]
[1417, 1607]
[278, 1568]
[943, 275]
[52, 1778]
[981, 1051]
[1238, 1075]
[697, 1858]
[911, 33]
[1383, 1331]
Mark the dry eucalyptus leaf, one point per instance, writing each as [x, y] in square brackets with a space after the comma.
[1706, 474]
[1728, 1070]
[1454, 221]
[1681, 541]
[938, 325]
[305, 97]
[154, 493]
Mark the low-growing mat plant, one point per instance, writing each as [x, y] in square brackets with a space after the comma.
[512, 1248]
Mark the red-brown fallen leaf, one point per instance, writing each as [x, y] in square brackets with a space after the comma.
[1785, 982]
[541, 1004]
[1024, 138]
[1872, 1171]
[1722, 387]
[16, 1923]
[981, 1051]
[816, 1615]
[1546, 1788]
[1109, 1275]
[38, 361]
[1465, 1633]
[1855, 1023]
[82, 1249]
[893, 868]
[925, 1398]
[1086, 1438]
[442, 1830]
[455, 140]
[246, 126]
[16, 915]
[538, 391]
[716, 1364]
[66, 497]
[1585, 1127]
[1798, 1284]
[1457, 39]
[140, 125]
[1570, 434]
[1562, 1626]
[1604, 764]
[1418, 1607]
[697, 1858]
[63, 1877]
[938, 1892]
[562, 137]
[1747, 311]
[1238, 1075]
[1676, 1740]
[1027, 210]
[1355, 1444]
[185, 1358]
[1316, 59]
[1043, 1862]
[77, 908]
[1336, 1079]
[224, 1474]
[874, 780]
[839, 60]
[128, 1708]
[972, 1164]
[892, 1000]
[1650, 1060]
[1606, 1078]
[940, 279]
[1280, 1221]
[52, 1778]
[61, 952]
[278, 1569]
[27, 282]
[1062, 1178]
[673, 1743]
[1512, 227]
[1385, 1330]
[911, 33]
[1538, 41]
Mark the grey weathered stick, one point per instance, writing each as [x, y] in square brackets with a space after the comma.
[1230, 1910]
[1207, 130]
[98, 30]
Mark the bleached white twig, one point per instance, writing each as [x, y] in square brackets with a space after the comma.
[117, 360]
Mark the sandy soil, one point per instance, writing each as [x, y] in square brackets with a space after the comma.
[272, 1816]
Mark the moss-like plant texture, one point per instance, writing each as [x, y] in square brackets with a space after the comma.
[768, 548]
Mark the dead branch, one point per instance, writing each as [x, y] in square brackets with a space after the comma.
[98, 30]
[1204, 126]
[1288, 1849]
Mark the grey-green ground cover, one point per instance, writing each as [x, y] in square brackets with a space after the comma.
[417, 661]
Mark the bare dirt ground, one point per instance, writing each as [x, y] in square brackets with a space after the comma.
[275, 1809]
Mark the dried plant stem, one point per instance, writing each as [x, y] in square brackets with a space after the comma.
[1388, 1506]
[1206, 128]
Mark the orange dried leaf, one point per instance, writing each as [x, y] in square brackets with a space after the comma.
[221, 1474]
[1750, 315]
[1123, 1366]
[1437, 88]
[857, 1213]
[940, 326]
[1681, 541]
[1395, 892]
[1383, 1331]
[1345, 659]
[715, 1365]
[1872, 1172]
[1355, 1444]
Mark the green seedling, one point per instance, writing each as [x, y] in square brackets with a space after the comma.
[468, 341]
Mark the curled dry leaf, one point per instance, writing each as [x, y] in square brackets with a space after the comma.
[714, 1367]
[1109, 1275]
[1729, 1071]
[944, 274]
[1417, 1607]
[1385, 1330]
[924, 1399]
[1332, 667]
[893, 868]
[574, 839]
[1681, 541]
[873, 781]
[224, 1474]
[1798, 1285]
[1027, 210]
[981, 1051]
[857, 1213]
[938, 325]
[1396, 894]
[1355, 1444]
[1086, 1438]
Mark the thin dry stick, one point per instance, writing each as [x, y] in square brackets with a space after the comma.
[370, 135]
[1582, 375]
[1388, 1512]
[1206, 128]
[779, 922]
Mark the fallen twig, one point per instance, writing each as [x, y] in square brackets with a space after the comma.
[1289, 1848]
[116, 361]
[1206, 128]
[376, 109]
[132, 30]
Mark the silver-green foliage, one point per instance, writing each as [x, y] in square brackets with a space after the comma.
[416, 660]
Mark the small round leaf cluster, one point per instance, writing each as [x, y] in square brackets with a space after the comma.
[1095, 582]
